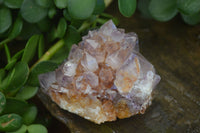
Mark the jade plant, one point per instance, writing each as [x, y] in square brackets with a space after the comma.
[165, 10]
[43, 32]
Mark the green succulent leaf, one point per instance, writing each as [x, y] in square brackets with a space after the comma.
[5, 19]
[14, 105]
[163, 10]
[29, 30]
[99, 8]
[2, 102]
[61, 29]
[66, 15]
[14, 4]
[143, 6]
[44, 24]
[81, 9]
[44, 3]
[41, 46]
[6, 81]
[191, 19]
[51, 12]
[17, 77]
[10, 122]
[42, 67]
[7, 51]
[18, 54]
[2, 74]
[127, 7]
[11, 64]
[17, 28]
[61, 3]
[36, 128]
[27, 92]
[30, 48]
[32, 12]
[29, 115]
[22, 129]
[188, 7]
[72, 37]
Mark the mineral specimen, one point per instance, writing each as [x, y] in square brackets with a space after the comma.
[104, 78]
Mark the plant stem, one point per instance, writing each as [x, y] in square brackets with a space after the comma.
[4, 42]
[84, 26]
[47, 55]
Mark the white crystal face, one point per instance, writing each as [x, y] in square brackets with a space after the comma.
[105, 77]
[75, 53]
[69, 68]
[89, 62]
[108, 28]
[92, 43]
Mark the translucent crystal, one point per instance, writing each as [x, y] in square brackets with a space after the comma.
[104, 78]
[75, 53]
[106, 75]
[89, 62]
[116, 59]
[127, 74]
[117, 36]
[91, 79]
[108, 28]
[69, 68]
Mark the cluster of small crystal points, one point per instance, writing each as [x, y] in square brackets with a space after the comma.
[104, 78]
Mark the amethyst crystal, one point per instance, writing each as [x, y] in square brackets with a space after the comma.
[104, 78]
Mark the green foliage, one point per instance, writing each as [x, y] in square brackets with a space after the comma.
[27, 92]
[36, 128]
[99, 8]
[127, 7]
[5, 19]
[29, 115]
[32, 12]
[80, 9]
[191, 19]
[14, 4]
[72, 37]
[17, 78]
[61, 29]
[189, 7]
[2, 102]
[16, 106]
[10, 64]
[44, 3]
[22, 129]
[30, 48]
[143, 7]
[10, 122]
[41, 46]
[17, 28]
[61, 3]
[163, 10]
[42, 67]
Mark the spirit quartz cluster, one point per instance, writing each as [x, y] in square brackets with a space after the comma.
[104, 78]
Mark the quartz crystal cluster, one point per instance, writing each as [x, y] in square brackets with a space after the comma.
[104, 78]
